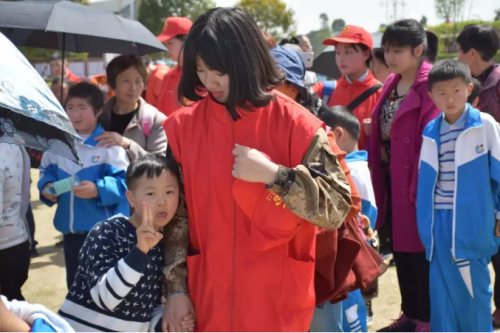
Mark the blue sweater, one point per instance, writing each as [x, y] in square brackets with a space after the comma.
[476, 195]
[117, 287]
[106, 167]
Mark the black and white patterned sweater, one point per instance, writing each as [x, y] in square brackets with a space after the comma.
[117, 287]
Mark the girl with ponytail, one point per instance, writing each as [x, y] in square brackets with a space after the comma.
[398, 120]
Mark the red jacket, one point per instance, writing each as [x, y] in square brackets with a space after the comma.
[346, 92]
[252, 262]
[155, 84]
[168, 102]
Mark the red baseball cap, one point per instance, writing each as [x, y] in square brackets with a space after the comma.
[352, 34]
[174, 26]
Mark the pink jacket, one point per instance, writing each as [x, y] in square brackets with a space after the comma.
[415, 112]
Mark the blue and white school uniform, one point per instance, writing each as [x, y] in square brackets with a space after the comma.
[358, 165]
[457, 207]
[354, 308]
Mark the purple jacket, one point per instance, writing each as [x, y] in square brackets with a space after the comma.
[415, 112]
[489, 98]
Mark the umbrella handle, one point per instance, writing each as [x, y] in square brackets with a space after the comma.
[62, 70]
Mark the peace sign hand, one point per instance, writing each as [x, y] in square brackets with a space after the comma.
[147, 237]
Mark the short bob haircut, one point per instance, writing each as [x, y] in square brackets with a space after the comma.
[120, 64]
[229, 41]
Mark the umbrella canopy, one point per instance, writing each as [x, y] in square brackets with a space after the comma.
[30, 114]
[71, 27]
[325, 63]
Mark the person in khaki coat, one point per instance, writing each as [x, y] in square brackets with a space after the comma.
[129, 121]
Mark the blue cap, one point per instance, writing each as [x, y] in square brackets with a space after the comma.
[291, 63]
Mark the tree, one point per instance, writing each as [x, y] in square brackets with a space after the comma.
[423, 20]
[152, 13]
[272, 16]
[449, 10]
[324, 21]
[338, 25]
[497, 15]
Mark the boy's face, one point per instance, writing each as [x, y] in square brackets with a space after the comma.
[161, 193]
[349, 60]
[451, 96]
[81, 114]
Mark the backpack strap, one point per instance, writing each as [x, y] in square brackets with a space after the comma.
[147, 119]
[364, 96]
[328, 88]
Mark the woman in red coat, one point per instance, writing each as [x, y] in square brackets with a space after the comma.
[259, 177]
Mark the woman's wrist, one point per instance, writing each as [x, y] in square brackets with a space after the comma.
[126, 142]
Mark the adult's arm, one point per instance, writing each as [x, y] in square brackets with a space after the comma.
[318, 189]
[156, 142]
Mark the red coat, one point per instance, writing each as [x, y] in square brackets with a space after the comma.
[346, 92]
[168, 102]
[252, 262]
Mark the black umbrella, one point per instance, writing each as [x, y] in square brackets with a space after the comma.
[71, 27]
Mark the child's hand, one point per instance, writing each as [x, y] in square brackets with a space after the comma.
[147, 237]
[252, 166]
[86, 190]
[48, 196]
[188, 323]
[497, 229]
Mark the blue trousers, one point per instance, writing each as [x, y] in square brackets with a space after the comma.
[459, 289]
[354, 309]
[327, 318]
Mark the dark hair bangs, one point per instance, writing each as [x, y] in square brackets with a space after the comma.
[151, 165]
[229, 41]
[447, 70]
[396, 36]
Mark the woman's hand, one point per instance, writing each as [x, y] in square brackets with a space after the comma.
[252, 166]
[110, 139]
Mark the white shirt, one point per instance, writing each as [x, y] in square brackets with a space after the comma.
[13, 229]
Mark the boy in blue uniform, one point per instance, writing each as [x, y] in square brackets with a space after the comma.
[458, 202]
[346, 128]
[101, 193]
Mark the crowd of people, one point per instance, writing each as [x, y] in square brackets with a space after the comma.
[233, 192]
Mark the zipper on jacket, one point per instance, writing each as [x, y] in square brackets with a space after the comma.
[233, 293]
[71, 211]
[454, 222]
[433, 209]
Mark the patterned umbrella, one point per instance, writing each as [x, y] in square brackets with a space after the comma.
[30, 114]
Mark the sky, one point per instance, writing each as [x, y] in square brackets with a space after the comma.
[373, 12]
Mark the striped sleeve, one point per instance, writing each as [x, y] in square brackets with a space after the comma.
[111, 275]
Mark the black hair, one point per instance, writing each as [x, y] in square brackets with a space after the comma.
[481, 38]
[292, 40]
[181, 37]
[475, 91]
[362, 48]
[411, 33]
[120, 64]
[151, 165]
[55, 56]
[448, 69]
[341, 116]
[379, 55]
[90, 93]
[229, 41]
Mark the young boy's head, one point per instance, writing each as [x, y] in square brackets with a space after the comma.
[345, 126]
[450, 84]
[84, 106]
[474, 95]
[155, 180]
[477, 44]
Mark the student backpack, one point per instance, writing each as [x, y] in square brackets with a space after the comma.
[364, 96]
[147, 120]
